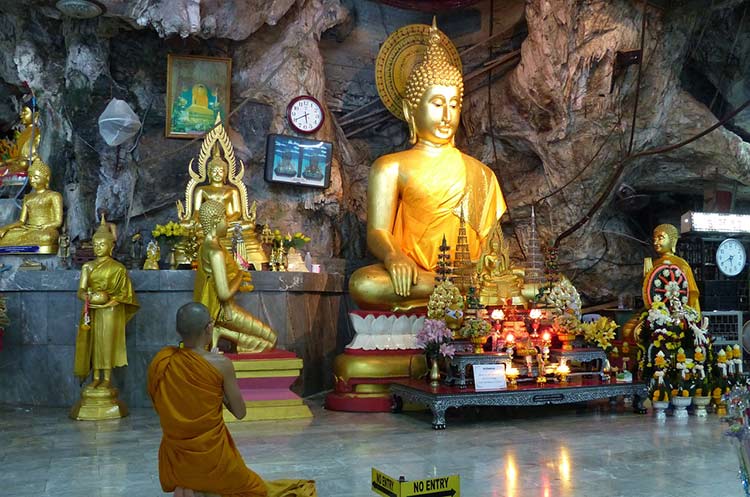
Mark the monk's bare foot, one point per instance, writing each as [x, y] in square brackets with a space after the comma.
[179, 492]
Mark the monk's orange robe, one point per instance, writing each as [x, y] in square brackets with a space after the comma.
[197, 451]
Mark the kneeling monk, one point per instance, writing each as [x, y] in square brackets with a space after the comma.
[188, 387]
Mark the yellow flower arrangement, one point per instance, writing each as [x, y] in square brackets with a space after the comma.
[169, 230]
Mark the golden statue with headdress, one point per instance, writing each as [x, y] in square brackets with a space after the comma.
[415, 197]
[220, 179]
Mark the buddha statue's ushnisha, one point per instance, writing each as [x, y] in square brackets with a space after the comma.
[109, 302]
[41, 215]
[217, 280]
[25, 149]
[414, 197]
[224, 185]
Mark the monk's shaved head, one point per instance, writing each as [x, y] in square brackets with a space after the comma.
[192, 320]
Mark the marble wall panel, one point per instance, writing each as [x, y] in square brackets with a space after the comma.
[63, 315]
[12, 334]
[39, 345]
[34, 318]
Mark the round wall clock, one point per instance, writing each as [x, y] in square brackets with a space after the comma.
[305, 114]
[731, 257]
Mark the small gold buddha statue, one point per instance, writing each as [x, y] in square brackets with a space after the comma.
[153, 254]
[26, 146]
[225, 186]
[498, 281]
[217, 280]
[41, 215]
[109, 303]
[414, 197]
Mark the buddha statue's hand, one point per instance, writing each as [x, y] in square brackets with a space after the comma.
[403, 272]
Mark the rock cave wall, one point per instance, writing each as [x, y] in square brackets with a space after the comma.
[550, 116]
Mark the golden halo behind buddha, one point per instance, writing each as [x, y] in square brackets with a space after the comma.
[401, 52]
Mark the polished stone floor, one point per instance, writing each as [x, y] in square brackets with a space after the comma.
[553, 452]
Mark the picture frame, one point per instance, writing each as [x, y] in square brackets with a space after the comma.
[298, 161]
[198, 88]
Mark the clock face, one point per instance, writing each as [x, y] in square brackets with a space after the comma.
[305, 114]
[731, 257]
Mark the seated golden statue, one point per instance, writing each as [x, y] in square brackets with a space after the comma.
[225, 186]
[498, 281]
[217, 279]
[41, 215]
[668, 275]
[110, 302]
[414, 197]
[656, 283]
[25, 148]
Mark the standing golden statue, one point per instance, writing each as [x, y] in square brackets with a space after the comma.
[225, 186]
[414, 197]
[217, 279]
[109, 303]
[41, 216]
[24, 151]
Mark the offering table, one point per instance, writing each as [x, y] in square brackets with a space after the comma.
[441, 398]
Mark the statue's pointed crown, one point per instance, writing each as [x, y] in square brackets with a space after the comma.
[103, 231]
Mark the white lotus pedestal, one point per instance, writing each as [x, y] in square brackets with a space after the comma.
[680, 405]
[383, 351]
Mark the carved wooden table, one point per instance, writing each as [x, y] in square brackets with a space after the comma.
[582, 355]
[443, 397]
[461, 360]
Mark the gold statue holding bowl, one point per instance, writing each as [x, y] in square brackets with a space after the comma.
[224, 185]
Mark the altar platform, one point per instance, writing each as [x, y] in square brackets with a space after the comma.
[36, 360]
[440, 399]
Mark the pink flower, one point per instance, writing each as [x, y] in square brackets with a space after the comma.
[447, 350]
[433, 336]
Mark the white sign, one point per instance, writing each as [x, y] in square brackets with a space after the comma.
[489, 377]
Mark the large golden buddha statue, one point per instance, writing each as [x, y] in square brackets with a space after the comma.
[414, 197]
[217, 280]
[41, 216]
[224, 185]
[25, 148]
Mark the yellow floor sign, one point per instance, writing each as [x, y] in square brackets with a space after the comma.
[441, 486]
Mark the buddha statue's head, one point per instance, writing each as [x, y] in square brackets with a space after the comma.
[665, 239]
[434, 92]
[217, 167]
[39, 174]
[213, 218]
[103, 239]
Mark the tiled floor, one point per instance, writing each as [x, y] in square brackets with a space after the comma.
[496, 452]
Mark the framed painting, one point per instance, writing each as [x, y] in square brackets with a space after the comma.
[198, 89]
[298, 161]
